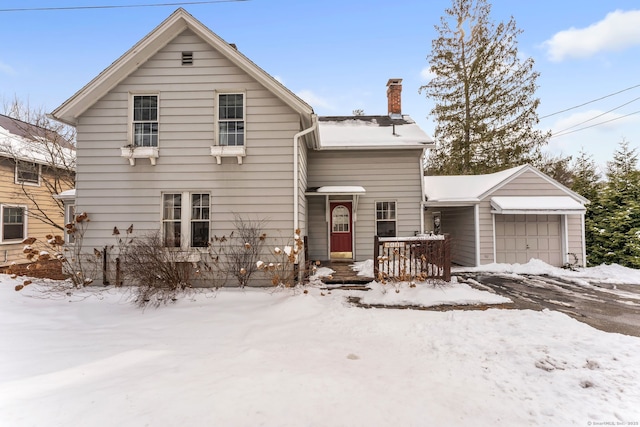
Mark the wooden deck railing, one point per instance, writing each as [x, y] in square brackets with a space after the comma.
[412, 258]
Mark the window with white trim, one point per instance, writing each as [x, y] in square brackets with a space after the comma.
[14, 223]
[386, 223]
[27, 173]
[144, 125]
[186, 219]
[69, 218]
[231, 119]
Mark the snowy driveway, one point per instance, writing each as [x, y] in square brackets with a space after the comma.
[605, 306]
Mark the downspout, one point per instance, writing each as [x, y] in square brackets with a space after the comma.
[584, 241]
[296, 141]
[422, 189]
[476, 226]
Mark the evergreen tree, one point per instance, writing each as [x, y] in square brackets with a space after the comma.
[616, 226]
[557, 167]
[586, 181]
[485, 108]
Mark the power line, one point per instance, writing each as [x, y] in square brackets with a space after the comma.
[589, 102]
[182, 3]
[598, 116]
[596, 124]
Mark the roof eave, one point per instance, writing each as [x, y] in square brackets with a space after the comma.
[376, 147]
[451, 202]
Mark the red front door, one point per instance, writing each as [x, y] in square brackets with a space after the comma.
[341, 230]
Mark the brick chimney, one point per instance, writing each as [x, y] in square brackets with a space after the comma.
[394, 96]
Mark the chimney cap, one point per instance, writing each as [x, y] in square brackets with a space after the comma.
[394, 82]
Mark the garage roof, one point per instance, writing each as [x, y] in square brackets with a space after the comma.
[536, 205]
[470, 189]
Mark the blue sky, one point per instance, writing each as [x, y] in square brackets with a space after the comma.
[338, 55]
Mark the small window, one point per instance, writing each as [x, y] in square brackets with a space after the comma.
[340, 219]
[69, 218]
[13, 223]
[145, 120]
[231, 119]
[386, 219]
[187, 58]
[27, 173]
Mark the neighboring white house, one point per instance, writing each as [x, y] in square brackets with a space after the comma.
[183, 133]
[508, 217]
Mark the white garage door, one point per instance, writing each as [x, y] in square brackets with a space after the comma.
[522, 237]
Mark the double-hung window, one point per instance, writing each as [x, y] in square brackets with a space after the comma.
[231, 111]
[27, 173]
[386, 219]
[200, 210]
[186, 219]
[14, 223]
[145, 121]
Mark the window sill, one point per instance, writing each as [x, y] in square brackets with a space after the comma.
[27, 183]
[220, 151]
[12, 242]
[133, 153]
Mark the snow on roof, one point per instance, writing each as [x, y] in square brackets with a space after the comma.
[464, 188]
[367, 132]
[345, 189]
[535, 204]
[17, 144]
[66, 195]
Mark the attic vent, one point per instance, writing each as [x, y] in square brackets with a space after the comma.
[187, 58]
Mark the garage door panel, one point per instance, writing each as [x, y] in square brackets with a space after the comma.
[543, 229]
[509, 244]
[543, 244]
[509, 229]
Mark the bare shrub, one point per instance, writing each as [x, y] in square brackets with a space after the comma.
[119, 250]
[160, 274]
[237, 255]
[81, 268]
[281, 268]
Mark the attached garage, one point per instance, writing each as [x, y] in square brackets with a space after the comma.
[507, 217]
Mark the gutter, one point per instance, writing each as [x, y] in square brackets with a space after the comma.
[296, 141]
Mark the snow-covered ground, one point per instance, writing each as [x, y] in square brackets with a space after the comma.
[612, 274]
[289, 358]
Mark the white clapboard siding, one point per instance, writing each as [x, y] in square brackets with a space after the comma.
[387, 175]
[116, 194]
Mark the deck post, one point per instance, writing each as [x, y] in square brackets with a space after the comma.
[376, 251]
